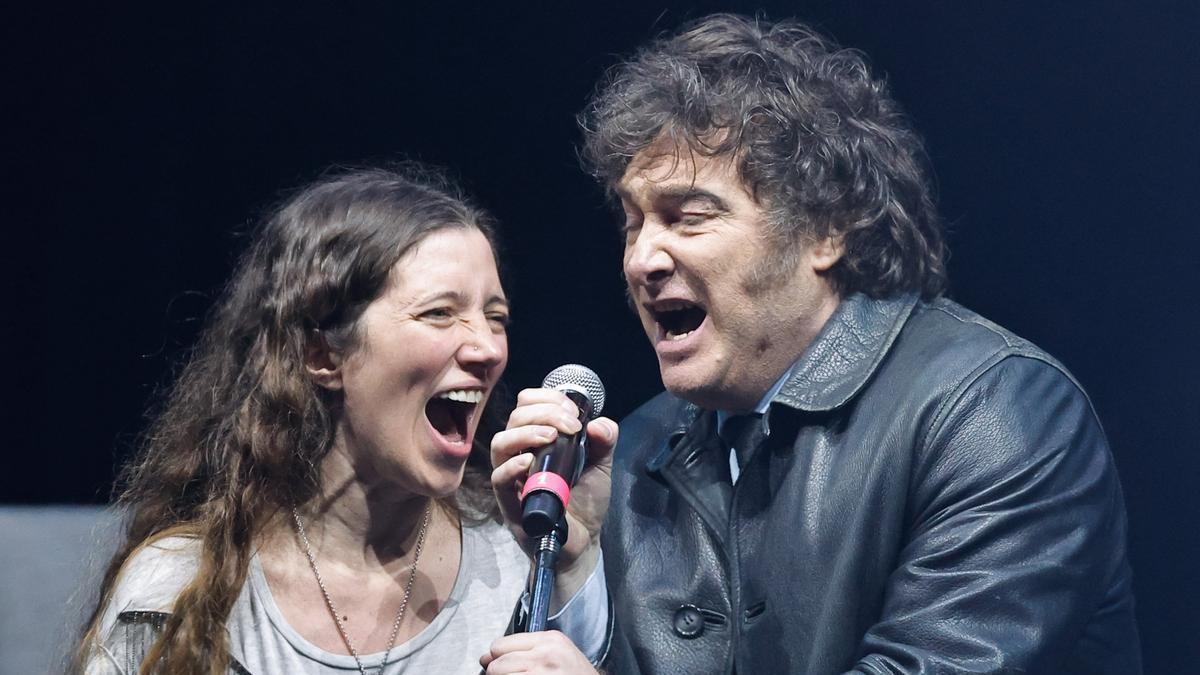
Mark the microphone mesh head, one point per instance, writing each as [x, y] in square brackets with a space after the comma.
[575, 376]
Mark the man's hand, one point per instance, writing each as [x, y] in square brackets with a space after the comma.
[545, 652]
[540, 415]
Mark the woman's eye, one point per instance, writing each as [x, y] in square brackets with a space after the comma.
[498, 319]
[438, 313]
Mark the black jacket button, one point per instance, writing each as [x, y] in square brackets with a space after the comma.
[688, 622]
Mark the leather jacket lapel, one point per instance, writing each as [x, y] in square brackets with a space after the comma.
[697, 468]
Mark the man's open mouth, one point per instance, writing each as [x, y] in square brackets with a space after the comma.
[451, 412]
[677, 318]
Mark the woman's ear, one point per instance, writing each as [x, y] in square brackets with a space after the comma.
[323, 364]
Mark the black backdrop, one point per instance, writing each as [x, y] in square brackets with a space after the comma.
[141, 142]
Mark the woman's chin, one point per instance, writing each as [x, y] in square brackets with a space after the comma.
[444, 482]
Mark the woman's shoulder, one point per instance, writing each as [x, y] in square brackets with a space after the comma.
[153, 576]
[492, 557]
[494, 534]
[145, 591]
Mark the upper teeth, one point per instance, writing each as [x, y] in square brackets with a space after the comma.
[463, 395]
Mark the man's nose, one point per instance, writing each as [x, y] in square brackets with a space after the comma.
[647, 259]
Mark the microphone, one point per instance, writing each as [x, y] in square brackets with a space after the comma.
[557, 466]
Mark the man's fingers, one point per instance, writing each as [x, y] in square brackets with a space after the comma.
[564, 417]
[511, 471]
[602, 438]
[547, 651]
[541, 395]
[541, 414]
[499, 657]
[513, 643]
[510, 664]
[504, 482]
[516, 440]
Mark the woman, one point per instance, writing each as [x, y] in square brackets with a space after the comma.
[312, 498]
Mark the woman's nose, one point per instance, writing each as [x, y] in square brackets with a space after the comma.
[483, 348]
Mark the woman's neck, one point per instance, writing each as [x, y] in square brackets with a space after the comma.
[363, 539]
[365, 526]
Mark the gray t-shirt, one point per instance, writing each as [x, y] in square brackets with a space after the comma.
[490, 580]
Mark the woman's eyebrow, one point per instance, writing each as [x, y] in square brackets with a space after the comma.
[454, 296]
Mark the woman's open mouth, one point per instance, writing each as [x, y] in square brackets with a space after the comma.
[451, 413]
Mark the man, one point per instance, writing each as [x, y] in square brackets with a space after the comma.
[847, 473]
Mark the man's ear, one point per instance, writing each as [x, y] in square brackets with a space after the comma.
[824, 253]
[323, 364]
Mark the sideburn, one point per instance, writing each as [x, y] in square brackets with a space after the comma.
[776, 266]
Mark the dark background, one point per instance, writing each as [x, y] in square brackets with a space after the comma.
[142, 142]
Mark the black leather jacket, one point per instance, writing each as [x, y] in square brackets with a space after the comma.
[936, 496]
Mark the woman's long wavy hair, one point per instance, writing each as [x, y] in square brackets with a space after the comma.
[816, 138]
[242, 433]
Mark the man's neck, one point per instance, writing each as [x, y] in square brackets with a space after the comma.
[802, 335]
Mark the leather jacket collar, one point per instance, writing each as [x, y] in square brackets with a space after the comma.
[845, 353]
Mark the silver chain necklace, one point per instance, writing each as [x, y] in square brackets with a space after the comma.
[337, 618]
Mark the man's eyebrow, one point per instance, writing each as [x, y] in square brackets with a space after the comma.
[683, 194]
[672, 195]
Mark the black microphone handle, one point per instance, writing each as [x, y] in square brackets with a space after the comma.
[560, 456]
[565, 457]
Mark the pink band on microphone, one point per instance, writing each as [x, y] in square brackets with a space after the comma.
[550, 482]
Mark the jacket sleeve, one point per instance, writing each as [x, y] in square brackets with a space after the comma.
[1016, 556]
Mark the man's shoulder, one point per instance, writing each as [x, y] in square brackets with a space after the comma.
[917, 346]
[944, 327]
[951, 318]
[946, 348]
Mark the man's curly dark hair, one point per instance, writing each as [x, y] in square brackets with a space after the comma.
[817, 140]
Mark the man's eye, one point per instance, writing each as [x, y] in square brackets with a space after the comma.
[632, 221]
[437, 313]
[693, 217]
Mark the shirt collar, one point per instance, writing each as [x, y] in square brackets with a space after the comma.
[763, 404]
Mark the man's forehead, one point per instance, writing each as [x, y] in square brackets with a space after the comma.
[665, 166]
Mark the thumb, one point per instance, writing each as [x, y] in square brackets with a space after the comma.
[602, 437]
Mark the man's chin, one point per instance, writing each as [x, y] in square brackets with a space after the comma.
[689, 386]
[707, 392]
